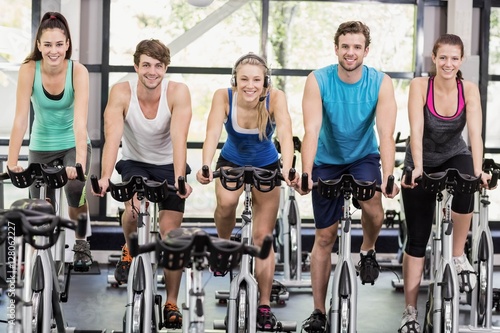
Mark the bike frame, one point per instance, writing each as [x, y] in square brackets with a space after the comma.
[344, 283]
[482, 259]
[141, 269]
[444, 294]
[43, 265]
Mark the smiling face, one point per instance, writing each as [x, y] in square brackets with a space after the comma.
[351, 51]
[53, 45]
[447, 59]
[150, 71]
[250, 81]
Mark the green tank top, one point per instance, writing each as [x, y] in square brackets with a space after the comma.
[53, 120]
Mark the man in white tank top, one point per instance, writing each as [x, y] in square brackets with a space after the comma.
[150, 115]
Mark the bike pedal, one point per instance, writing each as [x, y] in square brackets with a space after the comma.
[81, 268]
[170, 325]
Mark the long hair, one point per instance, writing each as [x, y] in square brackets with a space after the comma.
[50, 20]
[353, 27]
[447, 39]
[262, 113]
[152, 48]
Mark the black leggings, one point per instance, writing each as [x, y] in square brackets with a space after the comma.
[420, 205]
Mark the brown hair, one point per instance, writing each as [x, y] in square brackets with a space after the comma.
[447, 39]
[50, 20]
[152, 48]
[353, 27]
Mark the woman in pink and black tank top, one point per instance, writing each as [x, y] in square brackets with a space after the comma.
[439, 108]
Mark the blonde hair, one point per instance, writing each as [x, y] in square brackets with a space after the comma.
[263, 116]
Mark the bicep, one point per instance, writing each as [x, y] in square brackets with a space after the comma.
[280, 112]
[114, 114]
[312, 105]
[386, 107]
[181, 110]
[217, 114]
[474, 111]
[24, 88]
[81, 87]
[416, 102]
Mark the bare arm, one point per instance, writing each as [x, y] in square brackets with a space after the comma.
[312, 110]
[81, 87]
[279, 109]
[386, 113]
[215, 122]
[416, 101]
[180, 98]
[21, 118]
[114, 116]
[474, 125]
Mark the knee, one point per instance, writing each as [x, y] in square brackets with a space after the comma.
[74, 193]
[226, 208]
[325, 240]
[416, 249]
[373, 214]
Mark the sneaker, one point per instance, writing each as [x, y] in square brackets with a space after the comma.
[409, 322]
[266, 321]
[316, 323]
[123, 266]
[82, 259]
[466, 275]
[172, 316]
[368, 268]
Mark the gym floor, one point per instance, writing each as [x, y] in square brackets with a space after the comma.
[96, 305]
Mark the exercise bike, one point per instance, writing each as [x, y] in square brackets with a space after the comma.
[242, 298]
[142, 295]
[342, 314]
[42, 284]
[442, 306]
[195, 250]
[481, 256]
[289, 235]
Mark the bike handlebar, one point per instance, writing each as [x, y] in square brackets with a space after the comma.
[263, 180]
[35, 217]
[450, 178]
[154, 191]
[53, 176]
[489, 165]
[353, 184]
[183, 247]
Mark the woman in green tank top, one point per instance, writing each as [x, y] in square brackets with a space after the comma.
[58, 90]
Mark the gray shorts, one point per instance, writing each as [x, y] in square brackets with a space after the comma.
[74, 189]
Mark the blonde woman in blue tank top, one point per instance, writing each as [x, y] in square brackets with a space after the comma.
[250, 110]
[58, 90]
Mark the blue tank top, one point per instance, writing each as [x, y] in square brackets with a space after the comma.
[442, 137]
[347, 131]
[53, 120]
[243, 146]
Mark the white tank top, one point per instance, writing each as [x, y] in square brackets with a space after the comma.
[147, 140]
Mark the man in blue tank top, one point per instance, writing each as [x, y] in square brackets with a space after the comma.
[341, 104]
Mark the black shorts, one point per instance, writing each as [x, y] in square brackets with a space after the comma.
[222, 162]
[129, 168]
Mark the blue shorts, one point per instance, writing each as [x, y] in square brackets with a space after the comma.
[129, 168]
[328, 212]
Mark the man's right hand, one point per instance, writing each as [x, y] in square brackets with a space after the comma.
[103, 185]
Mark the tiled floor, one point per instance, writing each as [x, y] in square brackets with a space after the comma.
[95, 305]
